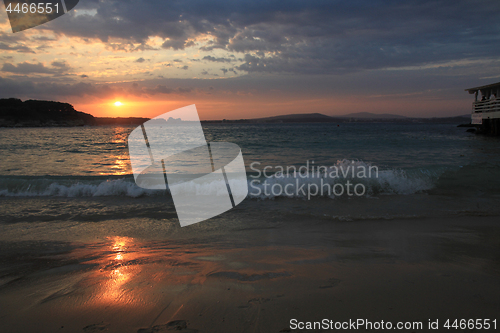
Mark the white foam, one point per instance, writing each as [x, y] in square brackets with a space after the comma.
[382, 182]
[344, 172]
[118, 187]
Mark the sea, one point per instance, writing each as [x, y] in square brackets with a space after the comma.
[76, 183]
[413, 214]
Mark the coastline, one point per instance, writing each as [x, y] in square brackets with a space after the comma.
[15, 113]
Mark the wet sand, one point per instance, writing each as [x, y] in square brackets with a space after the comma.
[254, 279]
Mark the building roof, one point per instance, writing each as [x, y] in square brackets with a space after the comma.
[473, 90]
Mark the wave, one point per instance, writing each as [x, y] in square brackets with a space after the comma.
[346, 178]
[313, 183]
[91, 188]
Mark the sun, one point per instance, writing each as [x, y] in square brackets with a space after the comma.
[118, 103]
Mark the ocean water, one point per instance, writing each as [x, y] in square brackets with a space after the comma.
[57, 179]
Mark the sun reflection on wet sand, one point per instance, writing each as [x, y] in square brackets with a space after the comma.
[127, 282]
[114, 287]
[120, 243]
[127, 271]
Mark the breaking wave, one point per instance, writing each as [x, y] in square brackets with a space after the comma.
[354, 177]
[383, 182]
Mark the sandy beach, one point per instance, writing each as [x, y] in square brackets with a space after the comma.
[222, 277]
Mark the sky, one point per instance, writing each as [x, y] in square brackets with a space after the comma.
[239, 59]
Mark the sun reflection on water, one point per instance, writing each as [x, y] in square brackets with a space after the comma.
[118, 161]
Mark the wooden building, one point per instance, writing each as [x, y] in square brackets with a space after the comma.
[486, 108]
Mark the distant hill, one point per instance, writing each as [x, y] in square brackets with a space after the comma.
[318, 117]
[361, 117]
[352, 117]
[32, 113]
[296, 117]
[369, 115]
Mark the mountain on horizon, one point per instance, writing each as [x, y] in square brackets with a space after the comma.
[322, 117]
[369, 115]
[296, 116]
[319, 116]
[357, 117]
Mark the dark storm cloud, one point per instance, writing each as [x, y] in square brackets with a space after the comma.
[324, 36]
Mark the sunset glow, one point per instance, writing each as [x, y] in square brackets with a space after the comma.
[256, 65]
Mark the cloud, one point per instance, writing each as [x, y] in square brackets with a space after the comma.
[162, 89]
[225, 70]
[18, 48]
[28, 89]
[213, 59]
[28, 68]
[307, 37]
[177, 44]
[310, 37]
[44, 38]
[140, 60]
[61, 65]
